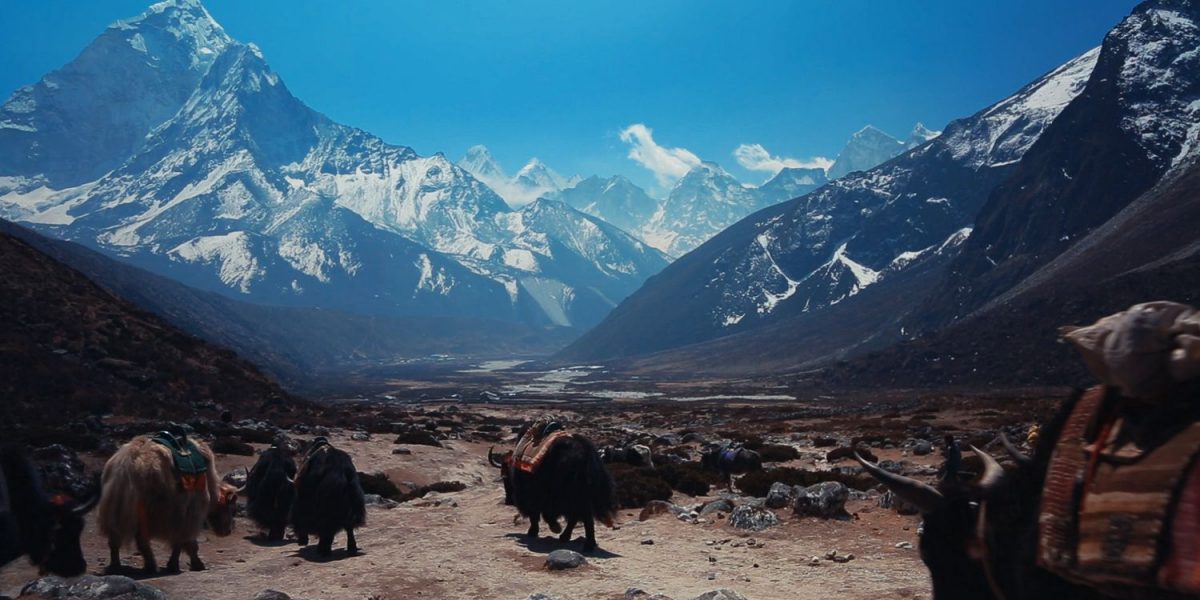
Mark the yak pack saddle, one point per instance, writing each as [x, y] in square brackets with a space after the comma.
[1121, 501]
[535, 444]
[190, 464]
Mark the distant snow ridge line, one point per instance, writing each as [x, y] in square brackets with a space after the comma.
[214, 174]
[910, 215]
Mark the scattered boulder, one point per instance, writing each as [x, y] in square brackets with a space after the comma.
[401, 451]
[890, 500]
[658, 507]
[62, 471]
[826, 500]
[360, 436]
[640, 594]
[752, 518]
[724, 505]
[380, 501]
[92, 587]
[564, 559]
[922, 447]
[721, 594]
[780, 495]
[271, 595]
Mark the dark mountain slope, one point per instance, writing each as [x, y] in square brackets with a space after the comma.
[303, 347]
[68, 347]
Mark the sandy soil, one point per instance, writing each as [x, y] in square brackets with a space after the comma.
[471, 548]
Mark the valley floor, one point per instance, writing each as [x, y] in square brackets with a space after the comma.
[467, 545]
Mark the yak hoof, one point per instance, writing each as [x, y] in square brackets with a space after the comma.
[565, 537]
[589, 546]
[302, 540]
[197, 565]
[152, 570]
[113, 569]
[172, 567]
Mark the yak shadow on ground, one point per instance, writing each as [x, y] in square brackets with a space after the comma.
[262, 541]
[138, 573]
[311, 554]
[546, 545]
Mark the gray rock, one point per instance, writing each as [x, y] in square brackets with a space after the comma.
[92, 587]
[271, 595]
[780, 495]
[541, 596]
[640, 594]
[721, 594]
[380, 501]
[723, 505]
[360, 436]
[564, 559]
[826, 500]
[922, 447]
[752, 518]
[404, 451]
[890, 500]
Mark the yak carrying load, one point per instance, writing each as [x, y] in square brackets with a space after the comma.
[1109, 505]
[554, 474]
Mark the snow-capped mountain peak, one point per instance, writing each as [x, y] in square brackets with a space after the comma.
[173, 146]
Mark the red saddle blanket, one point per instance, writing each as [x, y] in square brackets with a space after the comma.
[1121, 509]
[530, 452]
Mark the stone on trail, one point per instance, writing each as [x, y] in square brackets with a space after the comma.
[564, 559]
[92, 587]
[721, 594]
[541, 596]
[826, 500]
[640, 594]
[753, 518]
[271, 595]
[724, 505]
[922, 447]
[780, 495]
[658, 507]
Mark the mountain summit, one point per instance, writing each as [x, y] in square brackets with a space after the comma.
[170, 145]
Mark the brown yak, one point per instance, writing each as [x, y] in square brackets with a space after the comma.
[146, 497]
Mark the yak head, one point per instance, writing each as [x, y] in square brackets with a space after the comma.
[952, 544]
[504, 462]
[221, 513]
[55, 546]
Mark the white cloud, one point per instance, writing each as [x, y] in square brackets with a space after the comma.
[756, 158]
[667, 164]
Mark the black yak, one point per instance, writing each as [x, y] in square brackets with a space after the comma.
[571, 482]
[45, 528]
[730, 461]
[329, 498]
[270, 491]
[145, 496]
[979, 540]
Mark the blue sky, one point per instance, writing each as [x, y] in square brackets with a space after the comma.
[562, 80]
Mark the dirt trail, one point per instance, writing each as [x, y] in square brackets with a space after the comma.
[474, 550]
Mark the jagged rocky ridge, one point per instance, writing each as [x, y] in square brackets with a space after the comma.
[225, 181]
[820, 250]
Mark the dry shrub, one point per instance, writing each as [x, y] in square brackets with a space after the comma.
[379, 483]
[759, 483]
[422, 438]
[637, 486]
[690, 478]
[778, 453]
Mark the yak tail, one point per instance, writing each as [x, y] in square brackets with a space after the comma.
[117, 514]
[601, 490]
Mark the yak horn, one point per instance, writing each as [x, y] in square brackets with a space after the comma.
[993, 473]
[1016, 454]
[492, 459]
[921, 495]
[87, 505]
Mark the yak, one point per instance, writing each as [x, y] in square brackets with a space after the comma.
[45, 528]
[730, 461]
[145, 496]
[270, 490]
[979, 540]
[571, 482]
[329, 498]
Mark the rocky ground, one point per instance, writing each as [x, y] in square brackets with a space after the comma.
[467, 544]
